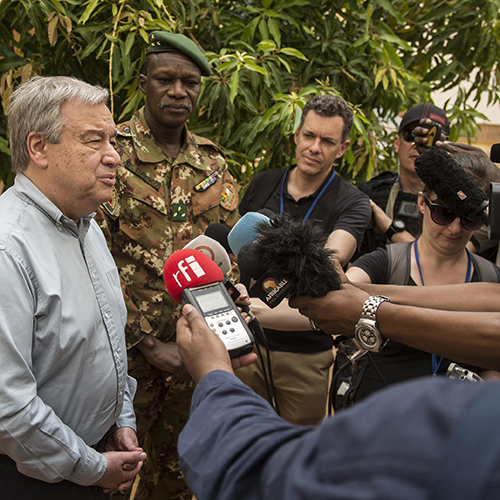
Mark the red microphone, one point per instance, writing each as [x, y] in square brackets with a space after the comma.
[191, 277]
[189, 268]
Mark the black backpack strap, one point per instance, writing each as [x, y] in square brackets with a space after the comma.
[486, 270]
[472, 453]
[399, 263]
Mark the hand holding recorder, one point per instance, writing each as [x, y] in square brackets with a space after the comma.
[191, 277]
[201, 351]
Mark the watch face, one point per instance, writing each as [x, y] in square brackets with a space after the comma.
[368, 337]
[398, 224]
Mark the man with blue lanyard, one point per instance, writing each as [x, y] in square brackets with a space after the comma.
[309, 190]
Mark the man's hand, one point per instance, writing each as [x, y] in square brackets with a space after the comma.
[420, 135]
[121, 469]
[165, 356]
[123, 439]
[201, 349]
[335, 313]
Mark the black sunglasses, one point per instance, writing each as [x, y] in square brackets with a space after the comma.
[443, 216]
[408, 135]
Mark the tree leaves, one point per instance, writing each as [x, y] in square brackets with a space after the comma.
[268, 57]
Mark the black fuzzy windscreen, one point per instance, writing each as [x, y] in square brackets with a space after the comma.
[296, 251]
[452, 184]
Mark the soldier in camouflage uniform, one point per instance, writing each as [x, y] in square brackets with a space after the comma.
[170, 186]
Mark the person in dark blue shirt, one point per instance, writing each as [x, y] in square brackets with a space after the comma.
[390, 446]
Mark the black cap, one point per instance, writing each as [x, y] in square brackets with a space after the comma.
[426, 110]
[162, 41]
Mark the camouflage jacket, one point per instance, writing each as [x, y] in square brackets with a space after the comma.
[156, 210]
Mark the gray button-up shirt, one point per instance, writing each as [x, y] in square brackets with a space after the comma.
[63, 365]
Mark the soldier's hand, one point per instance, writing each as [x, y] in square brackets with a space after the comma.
[165, 356]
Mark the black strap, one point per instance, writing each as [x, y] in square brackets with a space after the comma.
[472, 453]
[399, 260]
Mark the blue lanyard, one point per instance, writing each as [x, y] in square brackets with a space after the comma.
[435, 363]
[316, 199]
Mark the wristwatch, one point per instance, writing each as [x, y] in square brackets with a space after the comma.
[397, 226]
[366, 333]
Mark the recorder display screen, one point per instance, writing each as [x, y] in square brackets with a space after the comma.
[211, 300]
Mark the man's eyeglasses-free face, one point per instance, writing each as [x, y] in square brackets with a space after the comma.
[443, 216]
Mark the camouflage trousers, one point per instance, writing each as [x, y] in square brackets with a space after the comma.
[161, 412]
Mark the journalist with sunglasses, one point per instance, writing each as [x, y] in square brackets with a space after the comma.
[394, 194]
[439, 256]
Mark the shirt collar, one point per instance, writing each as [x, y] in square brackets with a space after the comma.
[313, 195]
[29, 192]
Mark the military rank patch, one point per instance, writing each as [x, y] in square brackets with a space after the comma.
[178, 212]
[111, 206]
[229, 198]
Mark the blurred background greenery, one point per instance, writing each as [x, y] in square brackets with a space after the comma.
[268, 57]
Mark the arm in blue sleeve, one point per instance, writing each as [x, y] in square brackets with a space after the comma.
[229, 437]
[235, 446]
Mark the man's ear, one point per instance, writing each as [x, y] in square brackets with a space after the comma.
[296, 136]
[36, 145]
[142, 83]
[396, 144]
[343, 149]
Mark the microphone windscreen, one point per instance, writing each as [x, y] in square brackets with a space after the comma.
[219, 232]
[452, 184]
[188, 268]
[245, 231]
[495, 153]
[295, 251]
[250, 261]
[212, 249]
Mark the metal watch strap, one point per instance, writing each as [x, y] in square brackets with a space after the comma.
[371, 305]
[366, 334]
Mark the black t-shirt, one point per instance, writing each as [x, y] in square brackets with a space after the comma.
[396, 362]
[405, 208]
[342, 206]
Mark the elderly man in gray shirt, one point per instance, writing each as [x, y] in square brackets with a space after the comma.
[67, 427]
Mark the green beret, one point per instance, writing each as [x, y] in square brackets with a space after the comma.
[161, 41]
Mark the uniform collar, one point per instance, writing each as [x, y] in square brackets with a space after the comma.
[149, 152]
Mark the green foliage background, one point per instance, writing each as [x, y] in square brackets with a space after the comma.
[268, 57]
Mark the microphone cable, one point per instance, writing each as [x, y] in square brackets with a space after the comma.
[344, 366]
[259, 334]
